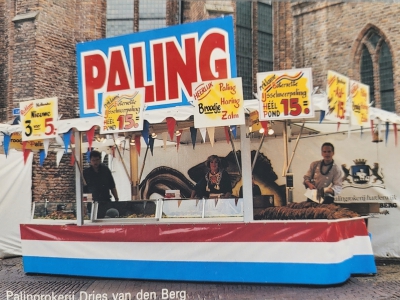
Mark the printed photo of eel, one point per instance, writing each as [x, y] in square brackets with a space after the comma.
[165, 178]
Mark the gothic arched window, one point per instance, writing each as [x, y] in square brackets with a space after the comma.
[376, 66]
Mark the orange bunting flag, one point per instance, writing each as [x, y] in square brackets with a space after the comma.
[26, 154]
[90, 136]
[171, 127]
[264, 125]
[227, 134]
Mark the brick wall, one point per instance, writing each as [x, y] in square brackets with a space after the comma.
[327, 36]
[38, 61]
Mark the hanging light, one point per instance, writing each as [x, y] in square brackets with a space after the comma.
[262, 130]
[271, 131]
[178, 133]
[132, 142]
[153, 135]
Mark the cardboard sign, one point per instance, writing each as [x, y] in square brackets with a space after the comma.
[16, 143]
[123, 111]
[359, 94]
[337, 89]
[285, 94]
[165, 62]
[218, 103]
[39, 119]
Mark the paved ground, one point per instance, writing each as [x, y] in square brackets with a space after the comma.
[16, 285]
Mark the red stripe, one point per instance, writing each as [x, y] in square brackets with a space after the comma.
[226, 232]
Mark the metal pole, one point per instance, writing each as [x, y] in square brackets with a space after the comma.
[234, 152]
[144, 162]
[78, 177]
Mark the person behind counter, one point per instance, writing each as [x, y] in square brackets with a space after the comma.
[324, 175]
[99, 180]
[215, 181]
[256, 189]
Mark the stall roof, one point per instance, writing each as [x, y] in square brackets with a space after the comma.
[182, 114]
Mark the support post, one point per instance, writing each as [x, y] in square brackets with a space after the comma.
[246, 175]
[78, 177]
[134, 171]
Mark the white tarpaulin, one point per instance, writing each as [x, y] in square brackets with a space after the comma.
[15, 200]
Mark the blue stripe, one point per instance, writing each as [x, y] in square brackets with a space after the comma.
[284, 273]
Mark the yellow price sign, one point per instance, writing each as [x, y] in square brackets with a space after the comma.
[123, 111]
[337, 89]
[359, 94]
[285, 94]
[16, 143]
[218, 103]
[38, 118]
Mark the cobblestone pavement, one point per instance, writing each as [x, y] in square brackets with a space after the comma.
[16, 285]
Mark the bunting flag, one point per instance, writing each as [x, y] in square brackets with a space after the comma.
[193, 135]
[145, 131]
[23, 145]
[321, 116]
[233, 130]
[227, 134]
[6, 143]
[90, 136]
[46, 145]
[59, 140]
[361, 132]
[178, 139]
[211, 132]
[42, 156]
[338, 126]
[151, 144]
[216, 201]
[67, 140]
[171, 127]
[164, 137]
[179, 203]
[197, 202]
[203, 132]
[386, 132]
[236, 201]
[137, 143]
[26, 154]
[395, 133]
[59, 155]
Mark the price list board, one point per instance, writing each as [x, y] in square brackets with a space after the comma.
[285, 94]
[39, 119]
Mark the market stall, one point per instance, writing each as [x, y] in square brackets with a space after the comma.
[184, 239]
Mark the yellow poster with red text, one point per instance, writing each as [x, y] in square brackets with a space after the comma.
[16, 143]
[39, 119]
[337, 90]
[285, 94]
[218, 103]
[359, 94]
[122, 111]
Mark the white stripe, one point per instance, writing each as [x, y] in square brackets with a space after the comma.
[295, 252]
